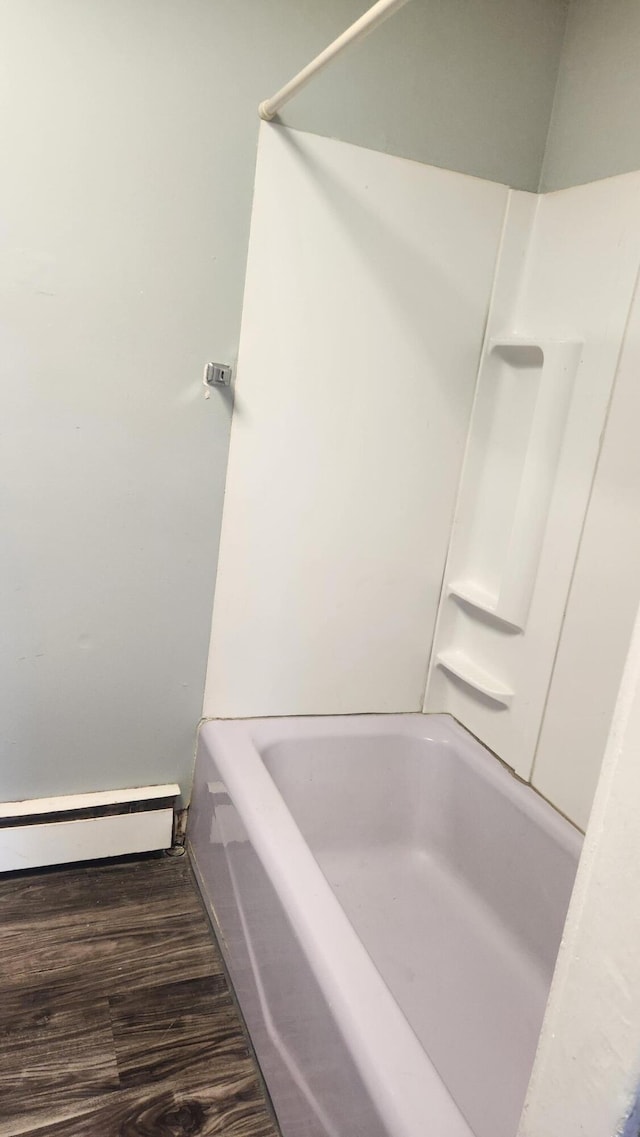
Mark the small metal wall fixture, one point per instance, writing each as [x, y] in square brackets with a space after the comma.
[217, 375]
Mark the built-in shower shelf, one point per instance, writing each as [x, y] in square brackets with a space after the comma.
[524, 392]
[458, 664]
[476, 597]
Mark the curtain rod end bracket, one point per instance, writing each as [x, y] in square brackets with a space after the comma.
[264, 112]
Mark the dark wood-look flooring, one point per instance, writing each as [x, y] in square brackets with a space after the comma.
[116, 1017]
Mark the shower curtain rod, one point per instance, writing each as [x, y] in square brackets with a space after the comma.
[269, 108]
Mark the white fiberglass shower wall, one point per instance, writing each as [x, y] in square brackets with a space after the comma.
[368, 284]
[563, 293]
[382, 298]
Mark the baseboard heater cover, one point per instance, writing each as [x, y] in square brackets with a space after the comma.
[82, 827]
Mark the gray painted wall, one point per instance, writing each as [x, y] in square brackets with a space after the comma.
[128, 132]
[595, 129]
[463, 84]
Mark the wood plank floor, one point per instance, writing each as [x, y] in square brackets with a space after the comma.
[116, 1017]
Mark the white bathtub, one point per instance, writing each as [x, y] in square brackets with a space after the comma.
[390, 903]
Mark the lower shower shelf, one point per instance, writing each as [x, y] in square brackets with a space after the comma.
[459, 665]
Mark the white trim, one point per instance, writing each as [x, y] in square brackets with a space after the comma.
[587, 1071]
[70, 802]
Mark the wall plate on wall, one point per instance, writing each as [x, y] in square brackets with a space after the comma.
[217, 375]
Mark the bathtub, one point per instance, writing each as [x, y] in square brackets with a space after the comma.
[390, 902]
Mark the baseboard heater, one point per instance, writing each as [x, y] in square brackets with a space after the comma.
[84, 827]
